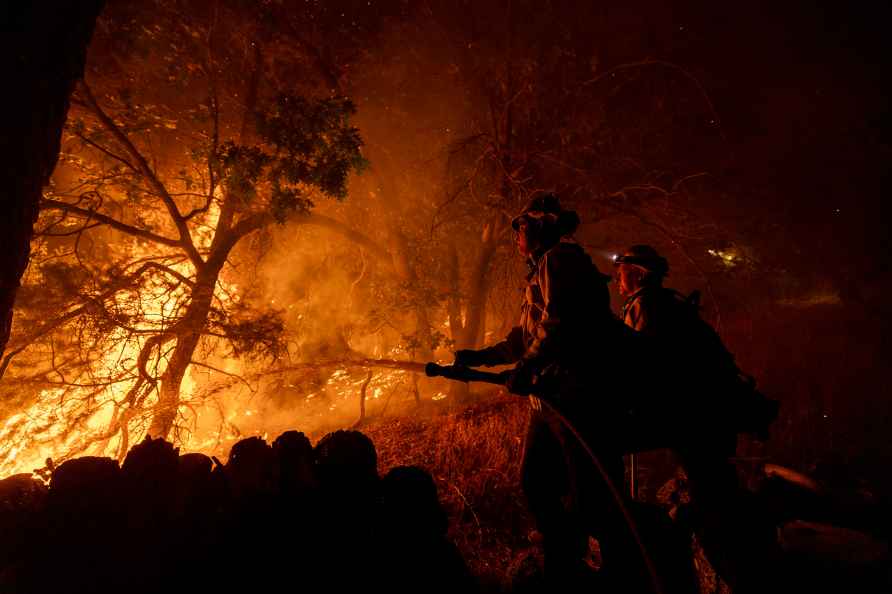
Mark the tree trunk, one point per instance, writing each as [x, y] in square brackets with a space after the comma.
[42, 51]
[194, 322]
[468, 334]
[382, 172]
[459, 392]
[169, 396]
[406, 272]
[475, 311]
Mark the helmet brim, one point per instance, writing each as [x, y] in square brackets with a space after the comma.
[655, 265]
[515, 222]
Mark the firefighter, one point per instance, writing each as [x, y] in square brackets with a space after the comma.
[639, 275]
[703, 432]
[565, 332]
[685, 347]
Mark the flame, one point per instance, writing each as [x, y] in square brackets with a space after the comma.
[42, 431]
[215, 410]
[61, 422]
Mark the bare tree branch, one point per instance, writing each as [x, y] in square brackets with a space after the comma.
[48, 204]
[91, 302]
[671, 66]
[105, 151]
[168, 270]
[226, 373]
[145, 169]
[200, 210]
[259, 220]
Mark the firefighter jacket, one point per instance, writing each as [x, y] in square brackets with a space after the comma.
[650, 310]
[565, 300]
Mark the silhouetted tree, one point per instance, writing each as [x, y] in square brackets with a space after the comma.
[43, 48]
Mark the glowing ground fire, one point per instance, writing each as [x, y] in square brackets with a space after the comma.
[100, 413]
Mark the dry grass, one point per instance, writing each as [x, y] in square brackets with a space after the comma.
[474, 455]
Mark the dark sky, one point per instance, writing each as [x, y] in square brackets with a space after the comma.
[803, 90]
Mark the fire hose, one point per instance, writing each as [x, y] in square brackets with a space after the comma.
[466, 374]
